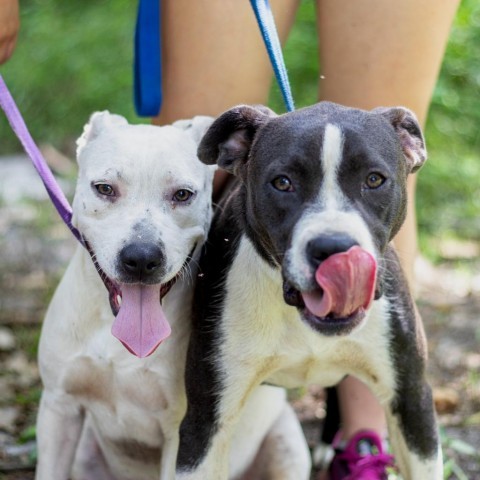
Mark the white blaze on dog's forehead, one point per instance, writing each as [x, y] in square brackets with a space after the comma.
[332, 151]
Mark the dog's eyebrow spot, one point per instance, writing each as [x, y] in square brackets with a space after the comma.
[109, 175]
[110, 172]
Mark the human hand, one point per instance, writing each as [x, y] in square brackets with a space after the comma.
[9, 26]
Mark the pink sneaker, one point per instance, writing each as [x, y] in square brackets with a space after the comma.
[362, 458]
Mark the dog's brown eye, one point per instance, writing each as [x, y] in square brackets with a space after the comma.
[105, 189]
[182, 195]
[283, 184]
[374, 180]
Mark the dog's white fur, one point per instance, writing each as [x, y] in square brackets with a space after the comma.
[104, 413]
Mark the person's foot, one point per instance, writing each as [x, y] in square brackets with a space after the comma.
[361, 458]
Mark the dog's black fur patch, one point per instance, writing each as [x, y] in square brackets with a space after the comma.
[203, 380]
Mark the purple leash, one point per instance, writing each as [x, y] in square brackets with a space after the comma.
[54, 191]
[18, 126]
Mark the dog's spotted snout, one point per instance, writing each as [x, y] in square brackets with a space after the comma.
[320, 248]
[141, 261]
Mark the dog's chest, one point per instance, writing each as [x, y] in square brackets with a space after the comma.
[125, 404]
[105, 385]
[123, 393]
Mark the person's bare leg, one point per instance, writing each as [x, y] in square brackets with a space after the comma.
[381, 53]
[213, 57]
[384, 53]
[359, 410]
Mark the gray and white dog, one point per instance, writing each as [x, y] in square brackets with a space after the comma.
[143, 206]
[301, 284]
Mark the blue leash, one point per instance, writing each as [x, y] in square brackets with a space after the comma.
[265, 20]
[147, 58]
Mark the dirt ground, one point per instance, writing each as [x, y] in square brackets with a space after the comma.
[35, 247]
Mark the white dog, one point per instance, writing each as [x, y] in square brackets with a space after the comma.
[143, 206]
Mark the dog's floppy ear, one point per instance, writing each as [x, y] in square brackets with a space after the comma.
[227, 142]
[409, 133]
[99, 121]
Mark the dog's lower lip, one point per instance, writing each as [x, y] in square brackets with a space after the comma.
[328, 325]
[330, 318]
[331, 325]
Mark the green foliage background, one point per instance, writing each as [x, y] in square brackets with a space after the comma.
[75, 57]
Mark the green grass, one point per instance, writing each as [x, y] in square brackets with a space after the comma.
[75, 57]
[452, 448]
[448, 201]
[72, 59]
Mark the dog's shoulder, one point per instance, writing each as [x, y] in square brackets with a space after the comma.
[405, 322]
[395, 284]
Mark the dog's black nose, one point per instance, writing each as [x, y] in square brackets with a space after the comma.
[142, 260]
[320, 248]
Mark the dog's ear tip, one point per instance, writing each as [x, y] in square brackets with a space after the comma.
[100, 116]
[195, 126]
[98, 122]
[407, 128]
[99, 113]
[104, 119]
[206, 157]
[229, 138]
[206, 153]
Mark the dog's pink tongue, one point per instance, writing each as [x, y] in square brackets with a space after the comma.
[141, 324]
[347, 280]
